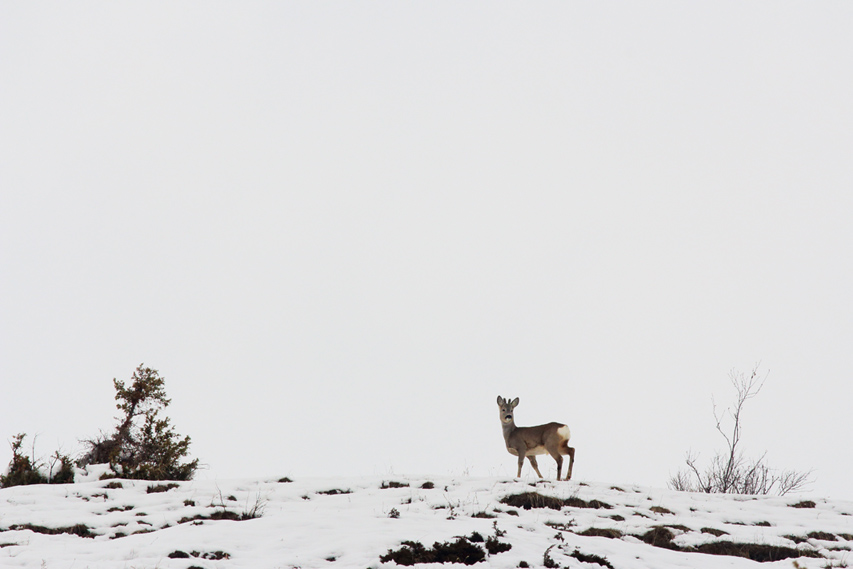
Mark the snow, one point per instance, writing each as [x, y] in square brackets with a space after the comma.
[302, 526]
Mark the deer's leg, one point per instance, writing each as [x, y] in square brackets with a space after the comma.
[571, 454]
[555, 454]
[535, 466]
[520, 462]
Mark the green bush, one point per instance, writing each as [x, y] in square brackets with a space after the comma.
[144, 445]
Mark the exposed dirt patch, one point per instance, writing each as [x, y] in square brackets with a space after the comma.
[392, 484]
[804, 504]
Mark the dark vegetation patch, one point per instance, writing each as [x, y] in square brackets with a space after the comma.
[662, 537]
[601, 532]
[113, 485]
[427, 485]
[528, 500]
[822, 535]
[660, 510]
[763, 524]
[594, 504]
[847, 536]
[189, 503]
[213, 556]
[24, 470]
[484, 515]
[560, 526]
[495, 546]
[218, 515]
[466, 549]
[120, 508]
[393, 484]
[394, 514]
[659, 536]
[285, 480]
[334, 492]
[80, 530]
[590, 558]
[459, 551]
[617, 488]
[617, 518]
[804, 504]
[715, 532]
[548, 561]
[2, 545]
[755, 551]
[156, 488]
[679, 527]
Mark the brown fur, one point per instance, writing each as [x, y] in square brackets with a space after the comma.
[550, 438]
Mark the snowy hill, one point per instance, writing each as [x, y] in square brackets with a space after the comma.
[355, 522]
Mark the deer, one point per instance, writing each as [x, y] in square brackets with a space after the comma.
[550, 438]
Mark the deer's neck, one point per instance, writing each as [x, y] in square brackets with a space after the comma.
[509, 429]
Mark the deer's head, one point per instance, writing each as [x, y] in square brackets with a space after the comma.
[506, 408]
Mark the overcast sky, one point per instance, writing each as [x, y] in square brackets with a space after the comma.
[340, 230]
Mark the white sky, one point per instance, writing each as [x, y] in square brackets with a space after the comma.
[340, 230]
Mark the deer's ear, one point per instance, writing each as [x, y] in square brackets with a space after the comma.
[500, 400]
[514, 403]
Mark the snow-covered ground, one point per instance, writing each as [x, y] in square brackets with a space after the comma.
[352, 522]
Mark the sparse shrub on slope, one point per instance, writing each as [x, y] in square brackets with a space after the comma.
[22, 468]
[730, 472]
[144, 445]
[25, 469]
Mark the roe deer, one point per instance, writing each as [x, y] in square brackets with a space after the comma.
[550, 438]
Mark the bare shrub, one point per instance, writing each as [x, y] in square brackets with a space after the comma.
[730, 471]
